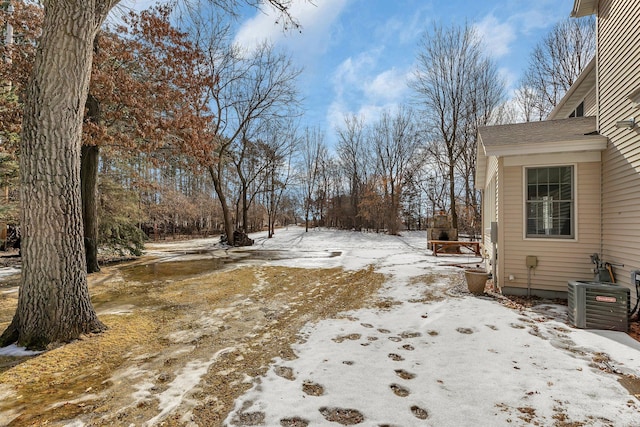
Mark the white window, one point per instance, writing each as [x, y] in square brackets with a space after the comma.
[579, 111]
[550, 202]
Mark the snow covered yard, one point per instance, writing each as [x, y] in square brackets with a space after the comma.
[300, 331]
[450, 360]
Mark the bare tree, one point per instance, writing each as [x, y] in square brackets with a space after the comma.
[486, 92]
[249, 163]
[279, 154]
[394, 138]
[456, 85]
[314, 152]
[246, 89]
[555, 64]
[527, 101]
[354, 157]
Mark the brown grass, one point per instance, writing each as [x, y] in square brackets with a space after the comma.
[248, 316]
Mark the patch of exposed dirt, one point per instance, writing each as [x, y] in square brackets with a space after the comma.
[346, 417]
[215, 332]
[312, 389]
[521, 303]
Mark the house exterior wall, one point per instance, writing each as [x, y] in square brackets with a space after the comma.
[559, 260]
[590, 103]
[618, 50]
[490, 210]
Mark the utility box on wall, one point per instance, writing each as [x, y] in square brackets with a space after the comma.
[531, 261]
[594, 305]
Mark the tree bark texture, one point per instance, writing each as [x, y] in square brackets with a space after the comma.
[217, 185]
[89, 191]
[54, 303]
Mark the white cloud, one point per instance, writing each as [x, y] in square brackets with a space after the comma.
[361, 91]
[496, 36]
[389, 85]
[352, 73]
[315, 18]
[509, 77]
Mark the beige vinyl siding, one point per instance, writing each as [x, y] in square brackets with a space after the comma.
[492, 169]
[500, 213]
[590, 104]
[489, 211]
[619, 76]
[559, 260]
[490, 207]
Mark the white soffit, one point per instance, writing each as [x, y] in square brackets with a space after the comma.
[553, 159]
[584, 8]
[593, 143]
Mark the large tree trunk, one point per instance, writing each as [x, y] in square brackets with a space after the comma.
[89, 181]
[89, 187]
[54, 303]
[228, 221]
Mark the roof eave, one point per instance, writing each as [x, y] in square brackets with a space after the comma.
[585, 82]
[583, 8]
[593, 143]
[481, 165]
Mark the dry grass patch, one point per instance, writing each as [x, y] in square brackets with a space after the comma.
[235, 320]
[80, 368]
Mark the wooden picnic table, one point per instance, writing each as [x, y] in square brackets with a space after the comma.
[438, 246]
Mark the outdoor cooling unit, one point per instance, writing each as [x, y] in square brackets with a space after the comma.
[597, 305]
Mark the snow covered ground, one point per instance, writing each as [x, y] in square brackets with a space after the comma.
[435, 356]
[461, 360]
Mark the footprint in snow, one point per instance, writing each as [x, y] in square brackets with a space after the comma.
[284, 372]
[419, 413]
[346, 417]
[342, 338]
[398, 390]
[312, 389]
[294, 422]
[396, 357]
[405, 375]
[407, 335]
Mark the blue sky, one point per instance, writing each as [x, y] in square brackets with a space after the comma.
[358, 54]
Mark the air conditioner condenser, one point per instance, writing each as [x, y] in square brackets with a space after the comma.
[597, 305]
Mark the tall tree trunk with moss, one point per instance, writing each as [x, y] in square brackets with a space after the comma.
[54, 303]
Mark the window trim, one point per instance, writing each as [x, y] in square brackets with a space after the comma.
[574, 113]
[574, 187]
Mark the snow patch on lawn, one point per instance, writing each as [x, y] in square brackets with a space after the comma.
[15, 351]
[8, 271]
[460, 360]
[185, 381]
